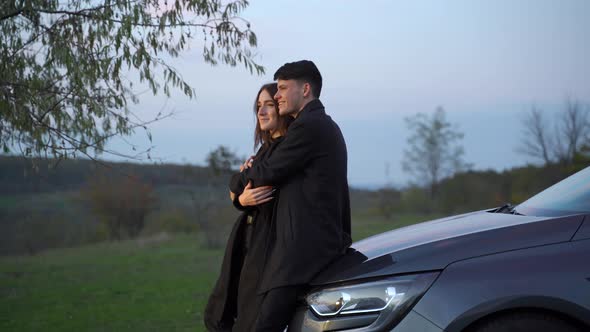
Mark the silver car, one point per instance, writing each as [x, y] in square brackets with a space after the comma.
[513, 268]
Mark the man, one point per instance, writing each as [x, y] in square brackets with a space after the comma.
[309, 169]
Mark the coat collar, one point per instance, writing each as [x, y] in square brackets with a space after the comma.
[313, 106]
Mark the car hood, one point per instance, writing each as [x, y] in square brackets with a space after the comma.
[435, 244]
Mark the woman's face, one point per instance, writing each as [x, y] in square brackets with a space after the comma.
[267, 114]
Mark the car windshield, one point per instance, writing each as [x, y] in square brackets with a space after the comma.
[568, 196]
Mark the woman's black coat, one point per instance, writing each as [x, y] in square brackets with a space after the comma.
[239, 269]
[220, 309]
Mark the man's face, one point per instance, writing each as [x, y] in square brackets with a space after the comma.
[290, 96]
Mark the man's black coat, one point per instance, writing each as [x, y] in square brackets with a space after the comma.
[312, 223]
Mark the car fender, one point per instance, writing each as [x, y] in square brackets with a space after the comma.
[552, 277]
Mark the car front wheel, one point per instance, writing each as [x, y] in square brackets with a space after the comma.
[524, 322]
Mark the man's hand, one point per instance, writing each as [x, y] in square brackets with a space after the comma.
[255, 196]
[247, 164]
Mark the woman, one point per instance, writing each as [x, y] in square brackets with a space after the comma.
[233, 304]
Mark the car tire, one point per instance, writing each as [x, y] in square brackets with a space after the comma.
[524, 322]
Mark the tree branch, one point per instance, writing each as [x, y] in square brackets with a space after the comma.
[138, 24]
[11, 15]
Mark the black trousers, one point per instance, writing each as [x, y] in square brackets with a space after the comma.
[277, 309]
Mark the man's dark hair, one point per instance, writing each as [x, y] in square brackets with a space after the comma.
[303, 70]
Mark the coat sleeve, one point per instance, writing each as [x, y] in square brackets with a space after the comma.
[289, 157]
[238, 181]
[237, 184]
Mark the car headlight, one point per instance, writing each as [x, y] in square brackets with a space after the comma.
[390, 297]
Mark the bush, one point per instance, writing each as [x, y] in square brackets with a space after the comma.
[121, 203]
[171, 221]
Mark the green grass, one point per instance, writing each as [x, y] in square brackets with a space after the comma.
[157, 284]
[128, 286]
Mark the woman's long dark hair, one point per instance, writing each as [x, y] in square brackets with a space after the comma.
[263, 138]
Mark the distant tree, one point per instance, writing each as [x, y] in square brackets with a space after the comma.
[64, 65]
[434, 150]
[222, 159]
[211, 204]
[561, 142]
[537, 140]
[573, 130]
[122, 203]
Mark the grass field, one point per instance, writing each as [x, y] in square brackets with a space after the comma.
[154, 284]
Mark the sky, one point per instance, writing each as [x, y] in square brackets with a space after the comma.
[485, 62]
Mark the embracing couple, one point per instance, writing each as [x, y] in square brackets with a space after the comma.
[295, 202]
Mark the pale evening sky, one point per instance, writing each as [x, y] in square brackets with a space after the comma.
[485, 62]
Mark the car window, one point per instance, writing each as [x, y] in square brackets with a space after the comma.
[568, 196]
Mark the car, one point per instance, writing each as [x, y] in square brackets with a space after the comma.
[511, 268]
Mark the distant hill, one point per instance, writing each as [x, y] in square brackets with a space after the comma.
[46, 206]
[20, 176]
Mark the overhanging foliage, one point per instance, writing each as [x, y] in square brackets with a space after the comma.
[63, 65]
